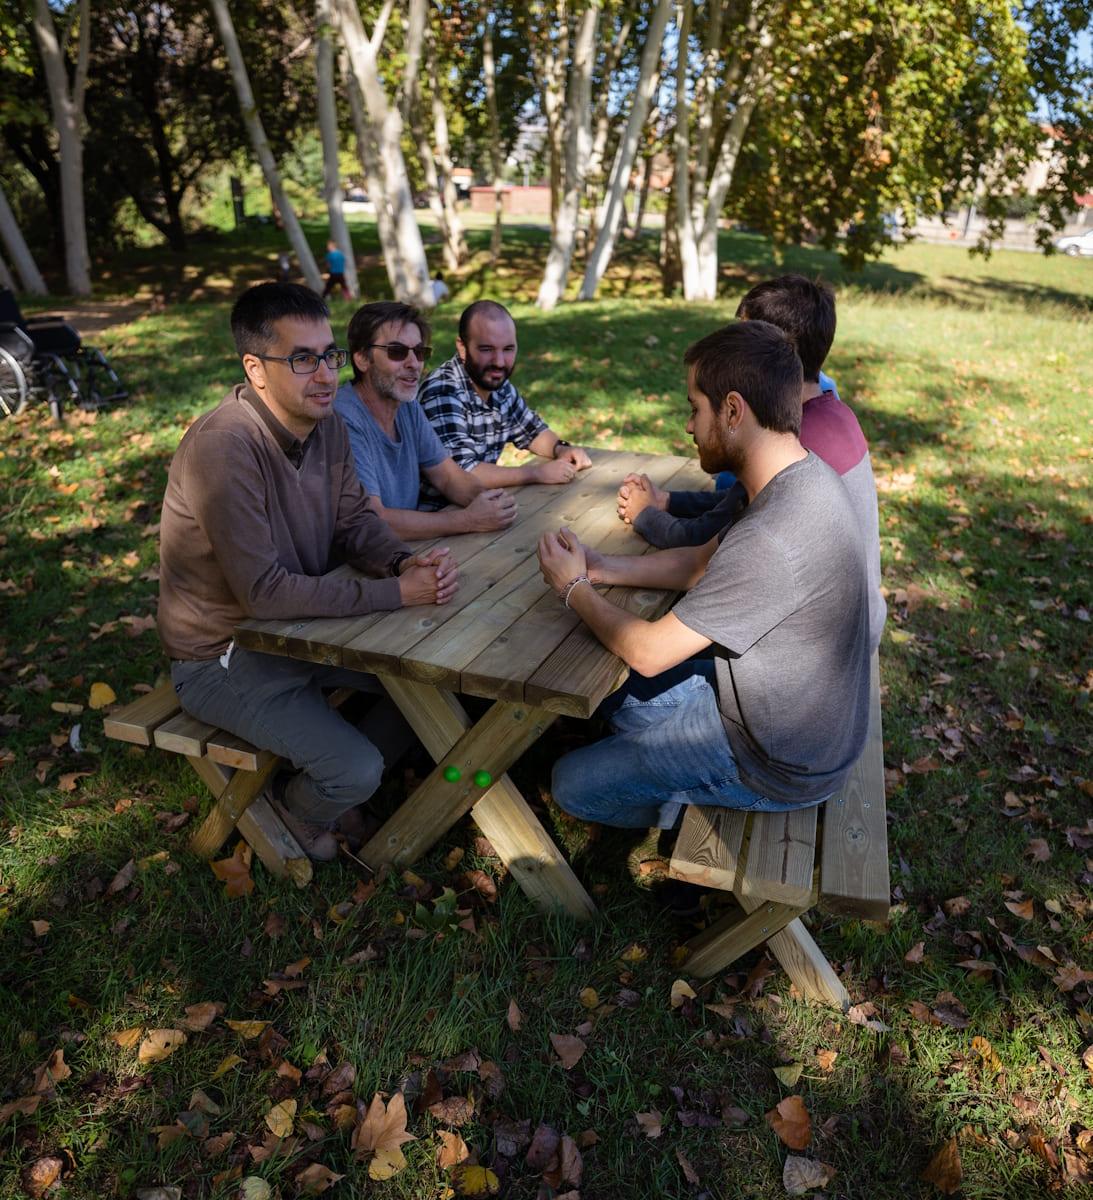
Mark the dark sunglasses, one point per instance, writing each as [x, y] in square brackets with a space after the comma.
[397, 352]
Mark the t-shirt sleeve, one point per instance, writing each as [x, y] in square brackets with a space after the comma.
[522, 425]
[733, 604]
[430, 449]
[363, 456]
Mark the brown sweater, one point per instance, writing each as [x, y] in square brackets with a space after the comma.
[253, 522]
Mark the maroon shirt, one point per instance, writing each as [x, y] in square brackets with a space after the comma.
[253, 523]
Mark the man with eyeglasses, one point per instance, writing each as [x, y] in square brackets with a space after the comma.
[392, 441]
[262, 502]
[476, 410]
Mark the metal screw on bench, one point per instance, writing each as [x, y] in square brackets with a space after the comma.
[482, 779]
[453, 774]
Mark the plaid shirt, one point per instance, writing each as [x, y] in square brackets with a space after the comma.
[471, 429]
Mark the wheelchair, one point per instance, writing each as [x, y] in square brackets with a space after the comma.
[43, 359]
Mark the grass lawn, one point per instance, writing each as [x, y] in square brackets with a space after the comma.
[969, 381]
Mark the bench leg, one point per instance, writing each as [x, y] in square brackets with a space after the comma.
[732, 936]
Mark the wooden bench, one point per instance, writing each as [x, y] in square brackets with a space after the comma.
[231, 768]
[769, 862]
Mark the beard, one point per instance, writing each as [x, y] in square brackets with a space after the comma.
[480, 379]
[723, 454]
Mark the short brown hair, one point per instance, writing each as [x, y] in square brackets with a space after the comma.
[803, 309]
[757, 360]
[369, 319]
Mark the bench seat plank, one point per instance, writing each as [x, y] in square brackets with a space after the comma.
[231, 751]
[184, 734]
[781, 853]
[707, 851]
[137, 722]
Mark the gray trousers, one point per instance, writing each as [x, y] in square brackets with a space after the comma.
[277, 703]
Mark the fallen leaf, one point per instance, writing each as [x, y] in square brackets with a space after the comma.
[380, 1132]
[800, 1175]
[589, 997]
[254, 1187]
[788, 1075]
[634, 953]
[681, 991]
[42, 1176]
[226, 1064]
[248, 1029]
[650, 1123]
[67, 782]
[26, 1105]
[122, 879]
[944, 1170]
[127, 1038]
[916, 953]
[160, 1044]
[826, 1059]
[453, 1110]
[52, 1072]
[281, 1117]
[790, 1121]
[982, 1047]
[475, 1181]
[514, 1017]
[572, 1164]
[1038, 850]
[234, 872]
[102, 694]
[451, 1151]
[689, 1173]
[161, 1193]
[315, 1179]
[1022, 909]
[40, 928]
[200, 1016]
[957, 906]
[569, 1049]
[543, 1148]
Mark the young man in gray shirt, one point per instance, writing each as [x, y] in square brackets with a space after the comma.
[777, 718]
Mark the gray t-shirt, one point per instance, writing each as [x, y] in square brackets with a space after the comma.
[389, 470]
[785, 600]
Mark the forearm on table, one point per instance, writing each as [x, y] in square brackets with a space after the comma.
[621, 632]
[413, 525]
[677, 570]
[490, 475]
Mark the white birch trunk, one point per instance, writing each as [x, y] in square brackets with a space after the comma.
[328, 130]
[386, 125]
[261, 145]
[578, 148]
[368, 153]
[67, 105]
[619, 181]
[19, 253]
[455, 244]
[685, 229]
[489, 71]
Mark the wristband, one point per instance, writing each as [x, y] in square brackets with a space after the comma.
[560, 442]
[398, 560]
[564, 597]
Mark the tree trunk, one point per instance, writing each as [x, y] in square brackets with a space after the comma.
[578, 146]
[619, 182]
[489, 71]
[455, 244]
[386, 126]
[67, 105]
[328, 130]
[549, 48]
[6, 278]
[21, 258]
[643, 193]
[671, 270]
[257, 133]
[686, 234]
[373, 181]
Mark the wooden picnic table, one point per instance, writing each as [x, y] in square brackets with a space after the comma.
[504, 637]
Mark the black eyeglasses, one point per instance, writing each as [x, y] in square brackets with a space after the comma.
[397, 352]
[308, 364]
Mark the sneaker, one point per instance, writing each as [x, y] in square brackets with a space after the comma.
[358, 825]
[317, 843]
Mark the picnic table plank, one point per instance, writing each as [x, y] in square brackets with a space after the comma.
[781, 854]
[707, 850]
[184, 734]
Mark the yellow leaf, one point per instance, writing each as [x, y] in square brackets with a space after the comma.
[247, 1029]
[127, 1038]
[589, 997]
[789, 1074]
[386, 1163]
[160, 1044]
[634, 953]
[280, 1118]
[102, 694]
[226, 1064]
[475, 1181]
[681, 990]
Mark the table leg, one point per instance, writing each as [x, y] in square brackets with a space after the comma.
[502, 814]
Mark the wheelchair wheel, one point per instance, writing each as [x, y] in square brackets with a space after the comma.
[13, 385]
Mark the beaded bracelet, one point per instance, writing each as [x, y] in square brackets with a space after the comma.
[571, 585]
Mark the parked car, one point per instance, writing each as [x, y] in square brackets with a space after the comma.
[1078, 243]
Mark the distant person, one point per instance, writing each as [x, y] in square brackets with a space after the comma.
[440, 289]
[335, 265]
[262, 503]
[392, 441]
[284, 267]
[805, 311]
[476, 410]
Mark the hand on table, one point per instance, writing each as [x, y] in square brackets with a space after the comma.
[495, 508]
[431, 577]
[562, 558]
[575, 455]
[558, 470]
[637, 493]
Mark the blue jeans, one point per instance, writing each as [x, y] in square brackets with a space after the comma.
[669, 749]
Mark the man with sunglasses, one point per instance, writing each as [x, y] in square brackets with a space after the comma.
[262, 502]
[476, 410]
[392, 441]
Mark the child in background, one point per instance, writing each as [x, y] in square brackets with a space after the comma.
[335, 264]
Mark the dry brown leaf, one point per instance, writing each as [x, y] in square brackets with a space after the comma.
[226, 1064]
[42, 1176]
[689, 1173]
[514, 1017]
[380, 1132]
[826, 1059]
[215, 1146]
[160, 1044]
[40, 928]
[982, 1047]
[544, 1146]
[800, 1175]
[945, 1171]
[451, 1151]
[281, 1118]
[453, 1110]
[572, 1164]
[791, 1122]
[200, 1016]
[248, 1029]
[916, 953]
[52, 1072]
[234, 872]
[127, 1038]
[67, 782]
[315, 1179]
[650, 1123]
[681, 991]
[1021, 908]
[1038, 850]
[122, 879]
[26, 1105]
[569, 1049]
